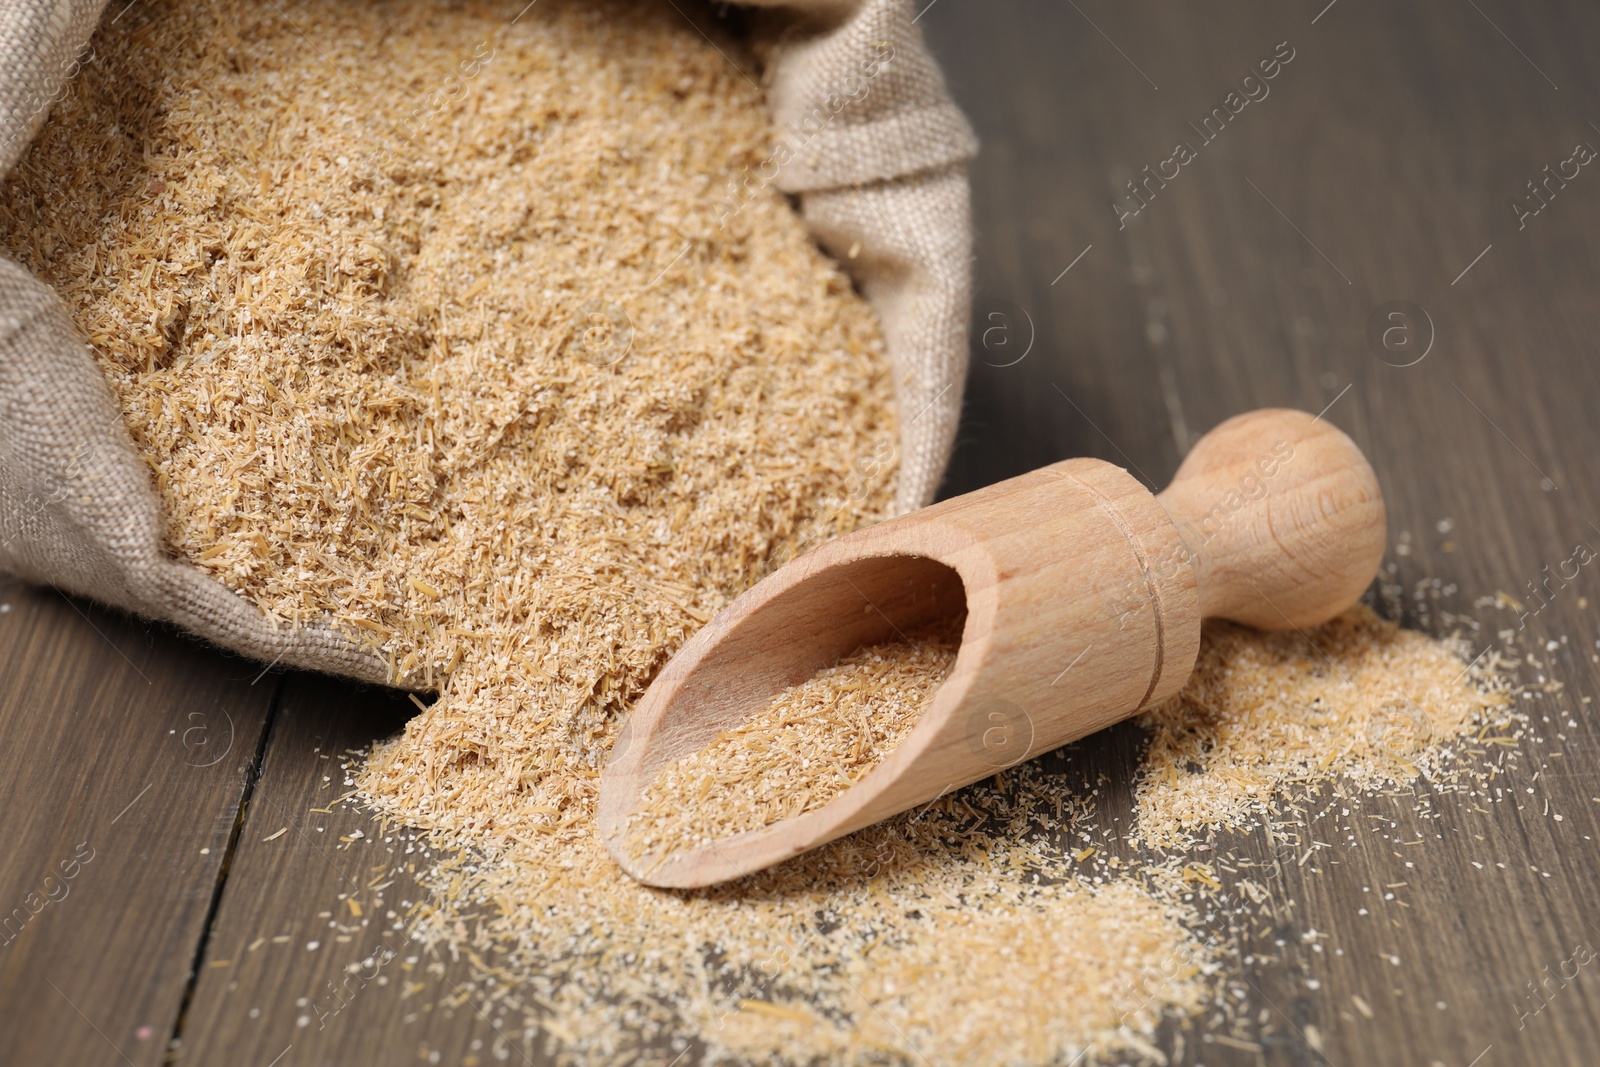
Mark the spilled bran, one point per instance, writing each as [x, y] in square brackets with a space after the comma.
[1267, 711]
[997, 925]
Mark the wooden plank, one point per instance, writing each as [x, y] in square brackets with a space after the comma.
[306, 962]
[1379, 168]
[127, 750]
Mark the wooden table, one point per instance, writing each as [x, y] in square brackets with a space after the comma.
[1376, 177]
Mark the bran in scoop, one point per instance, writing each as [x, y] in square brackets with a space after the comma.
[808, 744]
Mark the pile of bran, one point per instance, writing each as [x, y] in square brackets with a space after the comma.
[459, 357]
[1366, 702]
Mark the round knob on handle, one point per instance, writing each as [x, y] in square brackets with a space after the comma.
[1282, 517]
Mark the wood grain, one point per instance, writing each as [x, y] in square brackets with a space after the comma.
[1378, 169]
[309, 960]
[127, 750]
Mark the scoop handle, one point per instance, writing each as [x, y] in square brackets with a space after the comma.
[1282, 518]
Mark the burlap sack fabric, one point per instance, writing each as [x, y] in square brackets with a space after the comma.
[867, 139]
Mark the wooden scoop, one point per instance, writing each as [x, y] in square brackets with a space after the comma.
[1083, 592]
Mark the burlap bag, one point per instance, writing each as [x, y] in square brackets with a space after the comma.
[868, 140]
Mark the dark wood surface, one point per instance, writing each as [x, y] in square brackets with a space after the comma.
[1379, 168]
[294, 972]
[126, 753]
